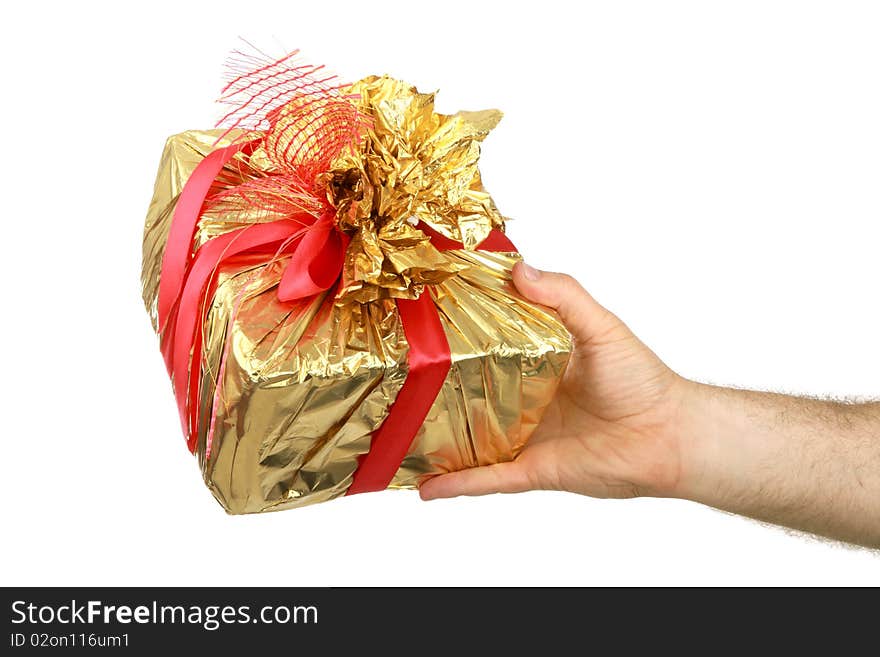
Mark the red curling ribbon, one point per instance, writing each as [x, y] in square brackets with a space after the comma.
[317, 253]
[178, 247]
[269, 239]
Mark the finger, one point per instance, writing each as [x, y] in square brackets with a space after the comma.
[580, 312]
[509, 477]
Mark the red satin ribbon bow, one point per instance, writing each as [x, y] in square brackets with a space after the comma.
[317, 252]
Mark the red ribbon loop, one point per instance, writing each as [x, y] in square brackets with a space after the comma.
[316, 264]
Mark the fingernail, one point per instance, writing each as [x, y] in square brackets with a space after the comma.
[530, 272]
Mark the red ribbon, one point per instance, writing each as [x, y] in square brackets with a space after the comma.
[317, 254]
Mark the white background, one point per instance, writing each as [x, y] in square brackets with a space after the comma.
[709, 170]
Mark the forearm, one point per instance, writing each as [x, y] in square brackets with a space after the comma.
[807, 464]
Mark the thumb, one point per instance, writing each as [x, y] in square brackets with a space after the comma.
[580, 312]
[508, 477]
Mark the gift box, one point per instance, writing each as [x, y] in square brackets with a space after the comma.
[330, 283]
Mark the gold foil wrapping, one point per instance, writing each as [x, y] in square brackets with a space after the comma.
[292, 392]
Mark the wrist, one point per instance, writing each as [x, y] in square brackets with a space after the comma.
[710, 438]
[674, 461]
[690, 435]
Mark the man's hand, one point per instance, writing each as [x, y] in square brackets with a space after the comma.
[610, 430]
[622, 424]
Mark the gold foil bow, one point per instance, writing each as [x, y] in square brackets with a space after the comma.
[383, 160]
[414, 165]
[410, 165]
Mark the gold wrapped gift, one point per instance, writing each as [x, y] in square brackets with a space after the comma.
[290, 393]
